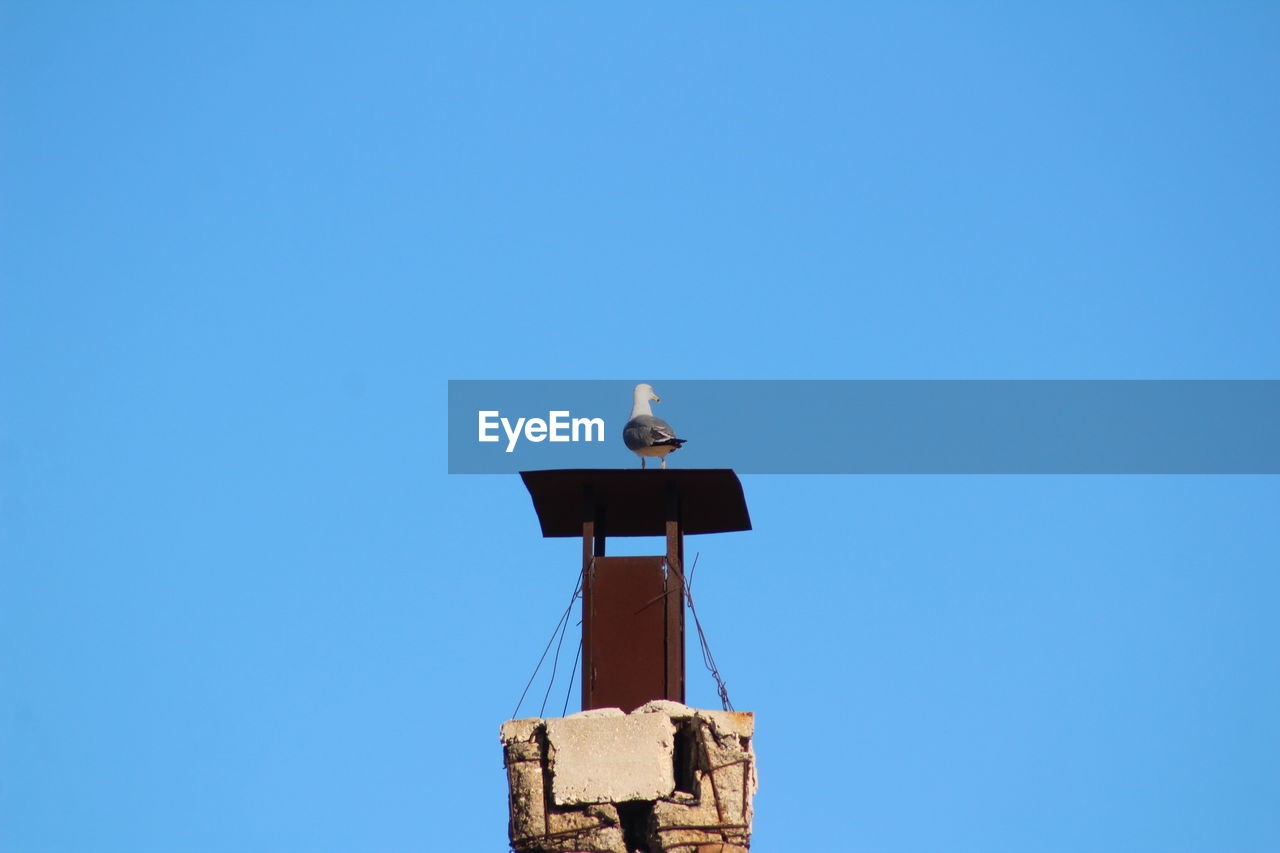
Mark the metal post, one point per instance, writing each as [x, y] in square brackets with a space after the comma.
[674, 641]
[590, 544]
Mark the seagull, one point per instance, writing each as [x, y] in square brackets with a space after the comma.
[645, 434]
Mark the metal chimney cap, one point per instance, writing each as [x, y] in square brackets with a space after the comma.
[633, 500]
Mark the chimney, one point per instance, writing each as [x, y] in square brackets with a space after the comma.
[636, 771]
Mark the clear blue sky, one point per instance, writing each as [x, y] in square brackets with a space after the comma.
[244, 245]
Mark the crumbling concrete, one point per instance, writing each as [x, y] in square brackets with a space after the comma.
[665, 778]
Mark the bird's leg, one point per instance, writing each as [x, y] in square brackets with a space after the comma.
[642, 461]
[664, 463]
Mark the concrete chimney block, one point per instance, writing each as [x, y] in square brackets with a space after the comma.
[606, 782]
[613, 759]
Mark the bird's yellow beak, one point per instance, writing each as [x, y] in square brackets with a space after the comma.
[657, 399]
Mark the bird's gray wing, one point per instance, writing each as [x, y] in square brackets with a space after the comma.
[646, 431]
[659, 430]
[636, 434]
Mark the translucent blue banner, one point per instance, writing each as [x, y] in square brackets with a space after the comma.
[876, 427]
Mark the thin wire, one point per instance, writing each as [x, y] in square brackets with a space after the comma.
[565, 710]
[555, 664]
[577, 590]
[534, 674]
[708, 660]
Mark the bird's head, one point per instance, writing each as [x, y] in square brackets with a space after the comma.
[644, 391]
